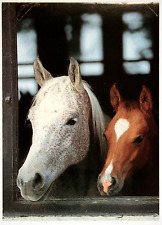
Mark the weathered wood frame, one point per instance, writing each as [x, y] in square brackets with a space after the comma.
[12, 205]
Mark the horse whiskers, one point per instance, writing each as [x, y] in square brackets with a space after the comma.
[51, 193]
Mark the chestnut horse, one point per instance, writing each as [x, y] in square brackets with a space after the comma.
[131, 167]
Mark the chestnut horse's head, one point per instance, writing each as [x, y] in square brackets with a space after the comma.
[128, 136]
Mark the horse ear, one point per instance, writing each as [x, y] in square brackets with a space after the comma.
[145, 100]
[115, 97]
[74, 73]
[41, 74]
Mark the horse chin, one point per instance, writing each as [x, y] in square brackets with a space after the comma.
[32, 198]
[111, 192]
[36, 196]
[116, 187]
[114, 191]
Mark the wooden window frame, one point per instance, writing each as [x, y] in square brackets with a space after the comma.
[12, 204]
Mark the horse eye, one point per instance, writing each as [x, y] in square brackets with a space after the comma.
[71, 121]
[138, 140]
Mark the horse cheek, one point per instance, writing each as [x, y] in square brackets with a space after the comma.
[137, 159]
[126, 160]
[144, 154]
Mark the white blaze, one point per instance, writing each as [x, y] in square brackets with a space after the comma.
[107, 173]
[121, 126]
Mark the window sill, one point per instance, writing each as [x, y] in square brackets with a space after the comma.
[102, 206]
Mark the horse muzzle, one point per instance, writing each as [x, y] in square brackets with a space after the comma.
[110, 188]
[32, 188]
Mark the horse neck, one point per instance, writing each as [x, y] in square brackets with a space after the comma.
[95, 151]
[92, 161]
[96, 122]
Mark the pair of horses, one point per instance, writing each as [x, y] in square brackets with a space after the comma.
[69, 141]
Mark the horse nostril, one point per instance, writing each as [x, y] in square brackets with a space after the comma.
[113, 181]
[38, 181]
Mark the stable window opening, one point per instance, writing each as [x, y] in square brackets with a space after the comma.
[93, 55]
[137, 44]
[90, 47]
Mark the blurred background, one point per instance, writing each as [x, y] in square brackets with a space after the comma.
[112, 43]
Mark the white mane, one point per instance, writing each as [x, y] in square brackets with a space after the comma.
[97, 117]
